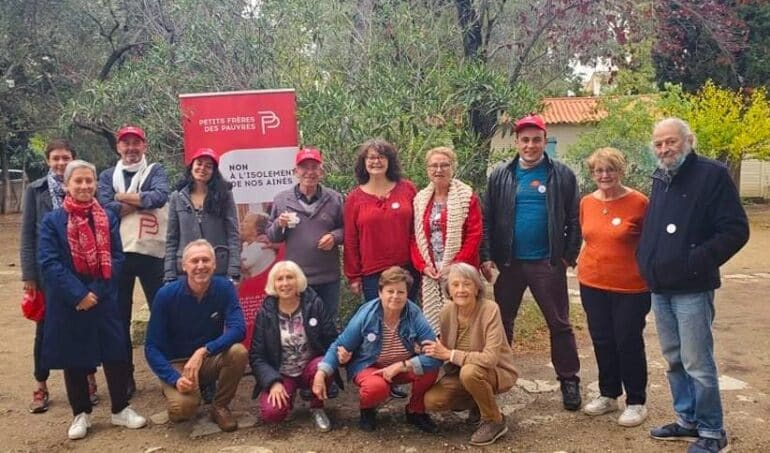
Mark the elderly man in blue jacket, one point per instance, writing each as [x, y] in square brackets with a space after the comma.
[194, 336]
[694, 223]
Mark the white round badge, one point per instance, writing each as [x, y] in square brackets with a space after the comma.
[616, 221]
[371, 337]
[671, 228]
[313, 322]
[395, 205]
[541, 188]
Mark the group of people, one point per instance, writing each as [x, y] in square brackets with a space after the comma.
[400, 246]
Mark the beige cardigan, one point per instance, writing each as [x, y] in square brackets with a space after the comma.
[489, 348]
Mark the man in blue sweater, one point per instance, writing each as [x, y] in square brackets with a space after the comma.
[194, 336]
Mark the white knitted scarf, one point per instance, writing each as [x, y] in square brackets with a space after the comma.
[118, 180]
[458, 204]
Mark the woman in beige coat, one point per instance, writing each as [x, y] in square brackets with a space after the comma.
[478, 359]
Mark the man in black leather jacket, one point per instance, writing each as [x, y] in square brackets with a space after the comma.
[531, 235]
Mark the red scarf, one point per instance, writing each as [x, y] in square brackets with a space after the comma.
[90, 248]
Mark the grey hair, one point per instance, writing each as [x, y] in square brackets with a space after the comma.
[77, 164]
[682, 126]
[463, 270]
[197, 243]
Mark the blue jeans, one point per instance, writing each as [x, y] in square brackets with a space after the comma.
[330, 294]
[684, 330]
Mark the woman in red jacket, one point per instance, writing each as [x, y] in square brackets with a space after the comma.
[447, 228]
[378, 219]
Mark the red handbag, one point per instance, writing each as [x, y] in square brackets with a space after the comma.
[33, 305]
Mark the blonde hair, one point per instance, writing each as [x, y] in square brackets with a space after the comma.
[443, 150]
[280, 266]
[608, 156]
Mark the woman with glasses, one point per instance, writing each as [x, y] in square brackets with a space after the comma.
[378, 219]
[447, 228]
[615, 298]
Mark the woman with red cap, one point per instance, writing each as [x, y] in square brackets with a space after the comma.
[202, 207]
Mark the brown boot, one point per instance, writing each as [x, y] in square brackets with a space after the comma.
[223, 418]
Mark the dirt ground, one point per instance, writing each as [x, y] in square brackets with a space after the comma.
[537, 422]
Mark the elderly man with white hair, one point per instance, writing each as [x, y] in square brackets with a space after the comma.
[694, 223]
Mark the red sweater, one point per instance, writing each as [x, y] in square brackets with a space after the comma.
[472, 230]
[611, 231]
[377, 230]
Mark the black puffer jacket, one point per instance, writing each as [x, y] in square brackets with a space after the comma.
[563, 200]
[265, 352]
[694, 223]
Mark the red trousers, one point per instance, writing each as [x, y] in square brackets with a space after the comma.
[373, 389]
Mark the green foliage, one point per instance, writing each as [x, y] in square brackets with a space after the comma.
[627, 127]
[729, 124]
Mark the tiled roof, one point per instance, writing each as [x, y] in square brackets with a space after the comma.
[571, 110]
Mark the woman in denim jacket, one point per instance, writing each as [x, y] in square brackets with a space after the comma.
[381, 345]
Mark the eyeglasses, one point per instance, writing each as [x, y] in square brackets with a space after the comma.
[377, 157]
[605, 171]
[442, 166]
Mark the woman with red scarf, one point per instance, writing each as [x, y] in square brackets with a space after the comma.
[79, 251]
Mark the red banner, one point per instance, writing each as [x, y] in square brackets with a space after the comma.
[255, 135]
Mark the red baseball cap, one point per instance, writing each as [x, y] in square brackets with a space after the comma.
[202, 152]
[307, 153]
[531, 120]
[131, 130]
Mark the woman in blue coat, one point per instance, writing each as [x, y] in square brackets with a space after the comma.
[79, 251]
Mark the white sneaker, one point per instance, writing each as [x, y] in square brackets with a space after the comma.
[601, 405]
[79, 427]
[321, 420]
[634, 415]
[128, 418]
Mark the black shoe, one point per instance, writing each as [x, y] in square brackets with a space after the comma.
[423, 422]
[570, 393]
[208, 391]
[673, 431]
[368, 420]
[131, 387]
[709, 445]
[398, 391]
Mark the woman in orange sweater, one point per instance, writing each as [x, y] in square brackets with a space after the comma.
[615, 298]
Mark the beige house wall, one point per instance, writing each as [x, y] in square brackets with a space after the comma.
[564, 134]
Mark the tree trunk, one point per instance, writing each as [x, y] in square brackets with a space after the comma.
[734, 168]
[470, 25]
[6, 192]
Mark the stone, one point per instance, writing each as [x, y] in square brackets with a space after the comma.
[154, 449]
[205, 427]
[537, 420]
[245, 449]
[537, 386]
[139, 321]
[161, 418]
[509, 409]
[727, 383]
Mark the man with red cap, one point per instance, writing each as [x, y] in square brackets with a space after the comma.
[138, 193]
[531, 236]
[308, 217]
